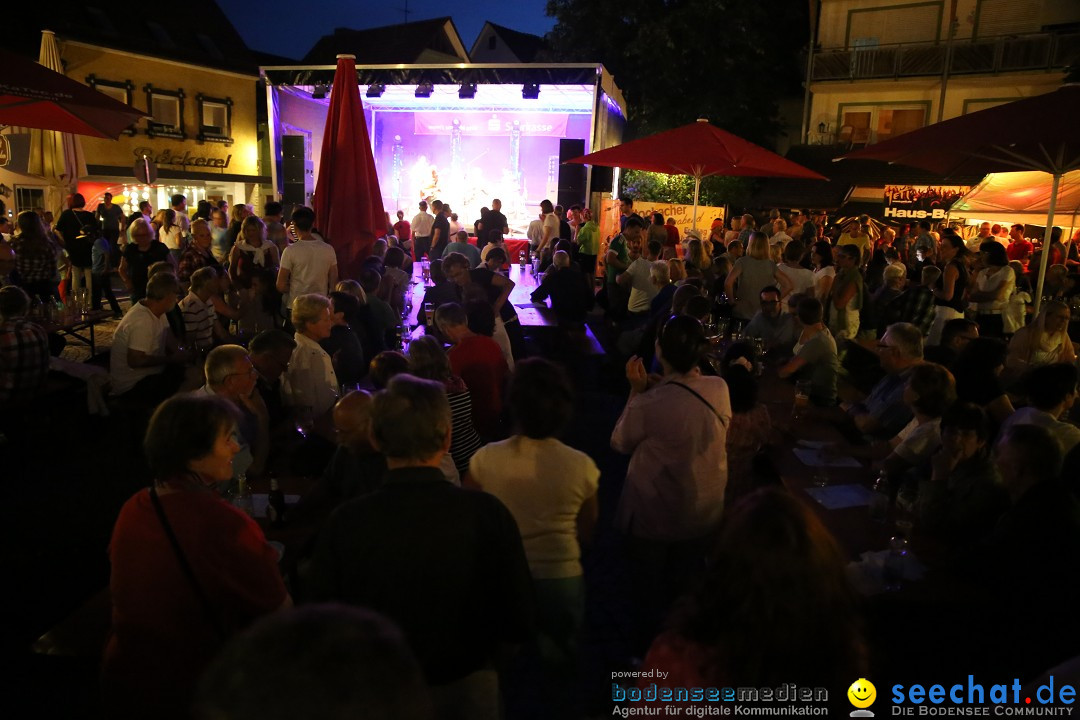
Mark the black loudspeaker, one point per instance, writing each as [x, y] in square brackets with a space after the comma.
[293, 170]
[292, 146]
[602, 179]
[294, 193]
[571, 177]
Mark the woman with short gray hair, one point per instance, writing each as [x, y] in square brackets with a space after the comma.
[310, 382]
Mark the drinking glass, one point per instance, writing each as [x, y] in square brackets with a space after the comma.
[429, 313]
[821, 471]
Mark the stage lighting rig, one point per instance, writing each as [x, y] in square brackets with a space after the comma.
[424, 90]
[530, 91]
[467, 91]
[375, 90]
[319, 91]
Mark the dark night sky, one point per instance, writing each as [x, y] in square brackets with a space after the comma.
[290, 28]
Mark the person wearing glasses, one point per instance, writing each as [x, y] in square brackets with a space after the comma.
[230, 374]
[883, 413]
[778, 329]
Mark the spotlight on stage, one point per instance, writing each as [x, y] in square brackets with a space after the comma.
[424, 89]
[319, 91]
[467, 91]
[376, 90]
[530, 91]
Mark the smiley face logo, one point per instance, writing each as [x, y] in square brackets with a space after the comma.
[862, 694]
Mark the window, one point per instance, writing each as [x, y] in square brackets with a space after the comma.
[863, 125]
[166, 108]
[914, 23]
[118, 90]
[27, 198]
[215, 119]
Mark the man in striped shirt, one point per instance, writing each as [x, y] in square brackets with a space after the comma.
[201, 327]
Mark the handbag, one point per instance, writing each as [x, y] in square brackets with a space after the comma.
[208, 609]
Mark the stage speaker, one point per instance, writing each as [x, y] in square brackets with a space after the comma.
[293, 169]
[294, 193]
[571, 177]
[293, 146]
[602, 179]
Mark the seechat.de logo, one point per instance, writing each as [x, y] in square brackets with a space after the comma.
[862, 694]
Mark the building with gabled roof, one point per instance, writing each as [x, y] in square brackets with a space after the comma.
[434, 41]
[498, 44]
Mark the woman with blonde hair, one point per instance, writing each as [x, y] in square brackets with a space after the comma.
[1044, 342]
[310, 383]
[751, 273]
[677, 270]
[253, 267]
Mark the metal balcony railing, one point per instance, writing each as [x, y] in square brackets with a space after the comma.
[1011, 53]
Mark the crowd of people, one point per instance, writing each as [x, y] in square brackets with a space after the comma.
[447, 576]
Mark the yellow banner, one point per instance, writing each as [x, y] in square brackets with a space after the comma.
[683, 214]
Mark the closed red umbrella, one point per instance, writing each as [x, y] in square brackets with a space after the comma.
[699, 150]
[34, 96]
[348, 202]
[1036, 133]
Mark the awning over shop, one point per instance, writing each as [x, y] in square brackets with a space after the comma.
[1022, 197]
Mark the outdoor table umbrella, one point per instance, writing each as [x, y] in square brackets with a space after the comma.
[33, 96]
[699, 150]
[1036, 133]
[348, 201]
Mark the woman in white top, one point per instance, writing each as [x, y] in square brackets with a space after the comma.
[170, 233]
[994, 285]
[822, 259]
[550, 489]
[310, 381]
[1045, 341]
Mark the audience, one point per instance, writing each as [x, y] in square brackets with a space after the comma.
[1044, 342]
[774, 603]
[310, 384]
[451, 565]
[145, 362]
[188, 569]
[230, 374]
[271, 353]
[479, 362]
[750, 275]
[778, 329]
[978, 371]
[815, 357]
[1051, 390]
[343, 344]
[883, 413]
[750, 429]
[24, 349]
[428, 360]
[322, 662]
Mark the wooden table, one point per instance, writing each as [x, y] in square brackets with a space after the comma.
[75, 323]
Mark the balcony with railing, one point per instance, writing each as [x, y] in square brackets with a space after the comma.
[1004, 54]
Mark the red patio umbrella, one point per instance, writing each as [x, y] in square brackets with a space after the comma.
[1036, 133]
[348, 201]
[699, 150]
[34, 96]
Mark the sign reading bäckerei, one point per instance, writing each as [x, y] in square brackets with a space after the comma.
[919, 202]
[175, 158]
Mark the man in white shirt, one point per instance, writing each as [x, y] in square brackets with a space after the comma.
[146, 363]
[179, 206]
[550, 227]
[637, 277]
[421, 231]
[309, 265]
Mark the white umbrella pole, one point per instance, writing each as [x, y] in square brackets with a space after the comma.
[697, 191]
[1044, 260]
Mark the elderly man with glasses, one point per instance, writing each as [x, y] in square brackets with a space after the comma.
[230, 374]
[883, 413]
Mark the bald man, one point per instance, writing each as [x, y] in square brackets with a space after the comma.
[356, 468]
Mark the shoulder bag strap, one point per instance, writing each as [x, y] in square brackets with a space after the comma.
[698, 395]
[208, 610]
